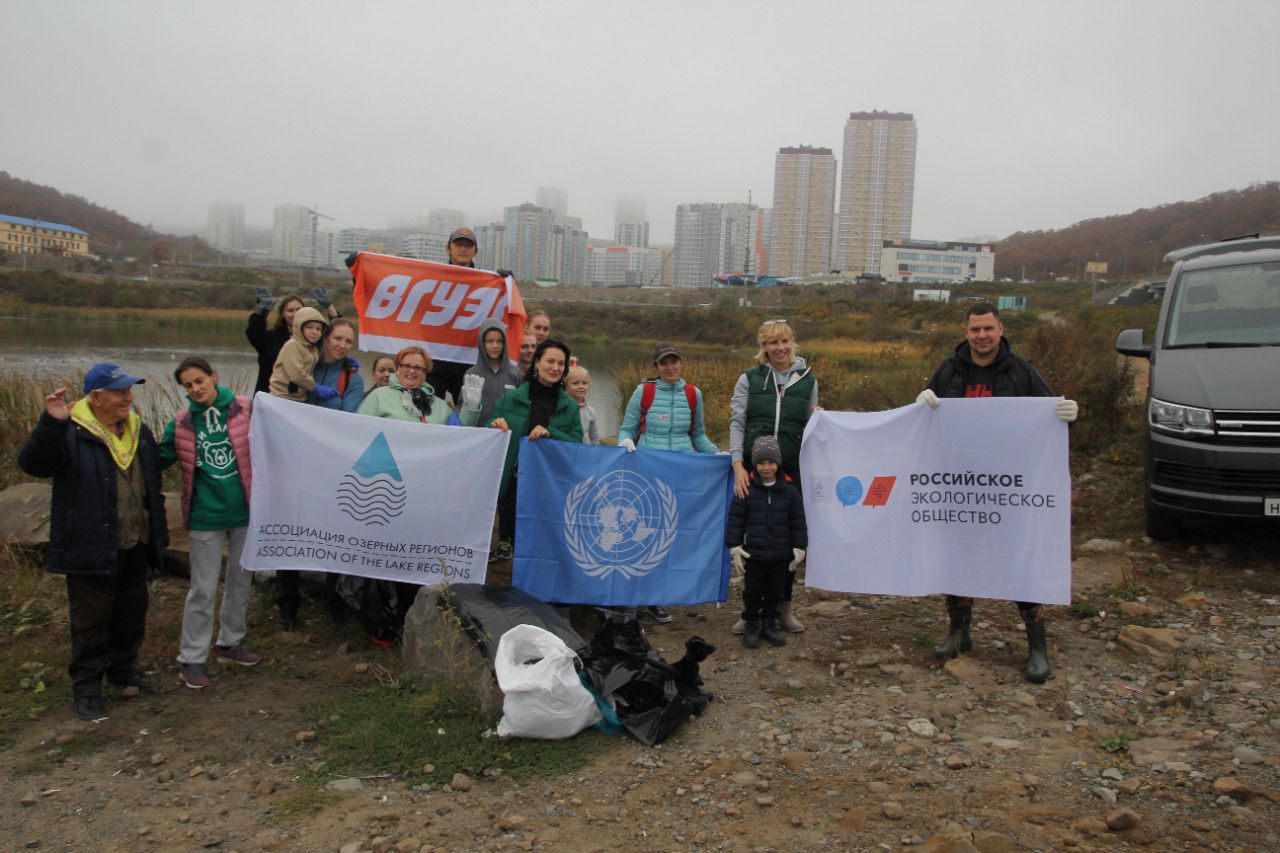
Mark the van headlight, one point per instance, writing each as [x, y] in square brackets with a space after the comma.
[1171, 417]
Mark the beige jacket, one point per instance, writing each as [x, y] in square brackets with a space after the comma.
[291, 377]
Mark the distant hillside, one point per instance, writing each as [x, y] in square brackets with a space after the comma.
[110, 233]
[1134, 244]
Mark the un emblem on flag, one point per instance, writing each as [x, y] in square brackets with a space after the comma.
[620, 522]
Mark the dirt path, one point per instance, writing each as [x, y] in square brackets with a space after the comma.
[850, 737]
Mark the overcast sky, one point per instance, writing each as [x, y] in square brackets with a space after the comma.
[1031, 115]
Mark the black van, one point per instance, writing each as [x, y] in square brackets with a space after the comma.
[1212, 443]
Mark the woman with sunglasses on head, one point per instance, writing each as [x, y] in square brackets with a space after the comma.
[776, 397]
[408, 397]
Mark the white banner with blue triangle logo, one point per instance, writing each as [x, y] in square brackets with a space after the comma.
[397, 500]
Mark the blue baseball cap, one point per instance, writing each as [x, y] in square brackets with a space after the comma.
[108, 376]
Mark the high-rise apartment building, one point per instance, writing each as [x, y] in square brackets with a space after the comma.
[225, 230]
[877, 187]
[713, 239]
[491, 246]
[366, 240]
[528, 240]
[555, 198]
[804, 193]
[445, 220]
[290, 228]
[425, 247]
[567, 256]
[630, 228]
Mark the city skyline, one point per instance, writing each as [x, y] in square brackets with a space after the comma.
[1029, 117]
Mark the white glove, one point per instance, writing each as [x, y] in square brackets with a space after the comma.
[798, 553]
[927, 396]
[472, 391]
[628, 444]
[738, 556]
[1068, 410]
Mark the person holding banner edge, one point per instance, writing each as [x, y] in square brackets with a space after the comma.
[539, 408]
[984, 365]
[444, 378]
[774, 398]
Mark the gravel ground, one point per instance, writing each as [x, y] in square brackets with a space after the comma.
[1159, 728]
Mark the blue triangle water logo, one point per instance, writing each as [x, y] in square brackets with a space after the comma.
[373, 492]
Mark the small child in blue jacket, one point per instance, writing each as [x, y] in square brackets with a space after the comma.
[766, 535]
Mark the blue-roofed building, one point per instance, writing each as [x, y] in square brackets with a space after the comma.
[19, 235]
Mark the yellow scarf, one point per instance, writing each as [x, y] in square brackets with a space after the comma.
[123, 447]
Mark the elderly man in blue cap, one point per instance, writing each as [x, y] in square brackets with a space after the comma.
[106, 528]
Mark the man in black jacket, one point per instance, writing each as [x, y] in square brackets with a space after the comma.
[984, 365]
[107, 526]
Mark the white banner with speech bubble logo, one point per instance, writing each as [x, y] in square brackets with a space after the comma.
[972, 498]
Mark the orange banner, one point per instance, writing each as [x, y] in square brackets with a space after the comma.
[403, 302]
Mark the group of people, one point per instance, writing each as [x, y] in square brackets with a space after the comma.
[108, 522]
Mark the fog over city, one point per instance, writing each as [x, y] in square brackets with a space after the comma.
[1029, 115]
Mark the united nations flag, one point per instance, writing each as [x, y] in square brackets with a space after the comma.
[599, 525]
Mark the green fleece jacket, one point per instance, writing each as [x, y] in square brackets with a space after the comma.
[217, 500]
[393, 401]
[515, 409]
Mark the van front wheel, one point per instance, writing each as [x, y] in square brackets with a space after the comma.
[1161, 523]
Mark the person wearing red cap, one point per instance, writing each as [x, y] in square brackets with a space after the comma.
[107, 526]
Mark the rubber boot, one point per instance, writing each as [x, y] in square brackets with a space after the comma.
[787, 619]
[1037, 670]
[740, 626]
[772, 635]
[288, 618]
[751, 636]
[958, 639]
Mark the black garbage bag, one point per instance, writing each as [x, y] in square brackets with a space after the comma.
[652, 697]
[486, 613]
[379, 605]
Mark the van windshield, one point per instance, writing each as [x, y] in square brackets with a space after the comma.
[1226, 306]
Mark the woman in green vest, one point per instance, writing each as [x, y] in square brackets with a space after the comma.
[774, 398]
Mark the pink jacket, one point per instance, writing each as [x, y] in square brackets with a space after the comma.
[184, 442]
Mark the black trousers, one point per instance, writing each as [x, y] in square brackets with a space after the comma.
[764, 583]
[108, 615]
[507, 513]
[289, 591]
[446, 376]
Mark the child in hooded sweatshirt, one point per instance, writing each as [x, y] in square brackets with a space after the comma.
[291, 377]
[210, 440]
[493, 373]
[578, 383]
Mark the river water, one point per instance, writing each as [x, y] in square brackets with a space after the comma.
[52, 349]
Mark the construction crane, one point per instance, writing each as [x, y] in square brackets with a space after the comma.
[315, 225]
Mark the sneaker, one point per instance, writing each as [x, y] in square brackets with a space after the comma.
[739, 627]
[660, 614]
[135, 679]
[193, 675]
[90, 708]
[237, 654]
[504, 549]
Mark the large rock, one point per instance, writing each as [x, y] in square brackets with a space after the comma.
[1155, 642]
[24, 514]
[24, 521]
[437, 648]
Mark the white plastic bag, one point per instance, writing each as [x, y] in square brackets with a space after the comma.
[543, 697]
